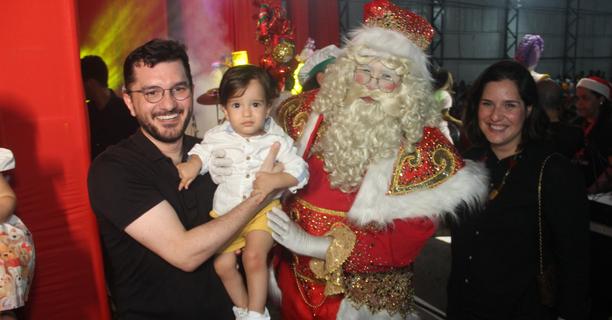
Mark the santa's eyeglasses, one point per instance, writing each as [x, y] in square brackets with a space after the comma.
[386, 82]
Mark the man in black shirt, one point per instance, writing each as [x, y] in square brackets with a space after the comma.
[158, 241]
[109, 119]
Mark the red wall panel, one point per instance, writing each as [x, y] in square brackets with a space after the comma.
[43, 120]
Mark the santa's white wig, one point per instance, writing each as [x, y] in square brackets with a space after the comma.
[358, 133]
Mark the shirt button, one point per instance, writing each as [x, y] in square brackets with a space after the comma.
[243, 197]
[470, 258]
[477, 232]
[466, 280]
[248, 176]
[248, 158]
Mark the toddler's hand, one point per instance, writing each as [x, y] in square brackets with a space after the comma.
[188, 171]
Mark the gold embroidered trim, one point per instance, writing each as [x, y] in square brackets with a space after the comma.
[312, 207]
[340, 248]
[391, 291]
[443, 166]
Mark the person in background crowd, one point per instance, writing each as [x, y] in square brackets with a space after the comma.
[595, 112]
[109, 118]
[443, 86]
[565, 138]
[496, 249]
[312, 73]
[528, 54]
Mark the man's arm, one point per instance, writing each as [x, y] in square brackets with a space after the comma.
[160, 230]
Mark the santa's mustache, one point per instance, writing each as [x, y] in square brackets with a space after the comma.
[387, 102]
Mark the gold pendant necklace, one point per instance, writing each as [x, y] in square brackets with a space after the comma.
[496, 190]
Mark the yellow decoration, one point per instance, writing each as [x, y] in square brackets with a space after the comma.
[297, 87]
[240, 58]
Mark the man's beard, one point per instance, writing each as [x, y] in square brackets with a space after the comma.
[172, 136]
[357, 135]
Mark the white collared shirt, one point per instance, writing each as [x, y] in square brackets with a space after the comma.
[247, 155]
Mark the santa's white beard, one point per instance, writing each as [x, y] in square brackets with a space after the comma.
[358, 134]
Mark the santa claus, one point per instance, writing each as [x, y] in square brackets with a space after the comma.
[381, 174]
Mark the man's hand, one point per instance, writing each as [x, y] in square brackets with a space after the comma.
[220, 166]
[188, 171]
[293, 237]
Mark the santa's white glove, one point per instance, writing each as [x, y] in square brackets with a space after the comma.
[291, 236]
[220, 166]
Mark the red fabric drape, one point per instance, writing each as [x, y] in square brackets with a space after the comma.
[42, 119]
[317, 19]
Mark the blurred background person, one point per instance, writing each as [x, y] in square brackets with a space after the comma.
[595, 117]
[594, 111]
[443, 91]
[109, 118]
[565, 138]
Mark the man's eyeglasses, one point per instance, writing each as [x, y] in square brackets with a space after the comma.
[386, 82]
[156, 94]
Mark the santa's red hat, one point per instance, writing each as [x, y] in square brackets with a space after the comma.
[389, 30]
[596, 84]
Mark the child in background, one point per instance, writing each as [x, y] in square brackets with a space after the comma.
[16, 247]
[246, 93]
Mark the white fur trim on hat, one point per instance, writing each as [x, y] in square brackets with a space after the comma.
[595, 84]
[386, 43]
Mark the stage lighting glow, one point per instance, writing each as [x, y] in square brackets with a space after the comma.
[119, 28]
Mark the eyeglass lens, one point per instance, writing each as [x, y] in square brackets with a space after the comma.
[155, 94]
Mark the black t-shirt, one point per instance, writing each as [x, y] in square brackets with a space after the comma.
[109, 125]
[126, 181]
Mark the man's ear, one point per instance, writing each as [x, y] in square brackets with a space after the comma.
[128, 102]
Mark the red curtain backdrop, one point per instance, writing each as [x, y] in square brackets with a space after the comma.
[317, 19]
[42, 119]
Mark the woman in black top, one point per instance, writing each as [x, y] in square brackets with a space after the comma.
[495, 249]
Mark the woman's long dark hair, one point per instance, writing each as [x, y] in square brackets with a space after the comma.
[535, 122]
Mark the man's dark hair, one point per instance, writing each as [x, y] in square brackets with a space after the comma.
[93, 67]
[535, 122]
[152, 53]
[236, 79]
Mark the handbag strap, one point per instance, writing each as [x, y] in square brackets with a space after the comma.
[540, 237]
